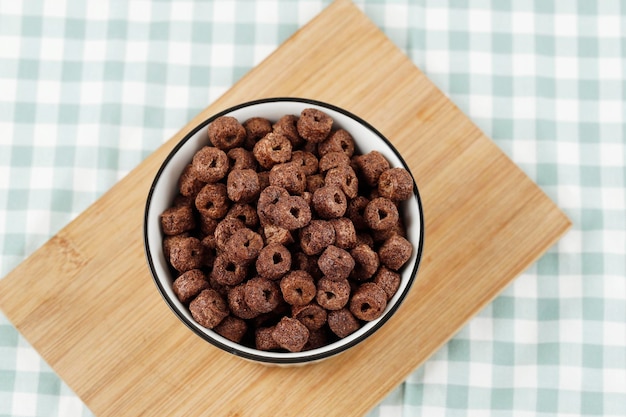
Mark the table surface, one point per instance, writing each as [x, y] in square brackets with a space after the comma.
[87, 90]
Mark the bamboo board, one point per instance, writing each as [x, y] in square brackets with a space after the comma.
[87, 303]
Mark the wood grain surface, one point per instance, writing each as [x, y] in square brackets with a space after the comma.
[87, 303]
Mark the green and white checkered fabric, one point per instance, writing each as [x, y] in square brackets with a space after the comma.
[88, 89]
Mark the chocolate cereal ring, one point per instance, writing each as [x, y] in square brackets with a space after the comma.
[263, 339]
[395, 184]
[273, 261]
[368, 302]
[366, 262]
[312, 315]
[232, 328]
[176, 220]
[212, 201]
[306, 160]
[242, 185]
[329, 202]
[210, 164]
[188, 184]
[291, 213]
[226, 133]
[256, 128]
[262, 295]
[244, 212]
[332, 295]
[333, 160]
[345, 233]
[243, 246]
[314, 125]
[335, 263]
[227, 272]
[298, 288]
[225, 229]
[315, 237]
[381, 214]
[289, 176]
[388, 280]
[208, 308]
[237, 303]
[189, 284]
[186, 254]
[342, 322]
[241, 158]
[395, 252]
[273, 149]
[286, 126]
[290, 334]
[344, 177]
[338, 141]
[370, 166]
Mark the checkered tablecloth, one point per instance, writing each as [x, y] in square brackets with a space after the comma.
[88, 89]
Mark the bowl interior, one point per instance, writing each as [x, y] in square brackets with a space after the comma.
[164, 190]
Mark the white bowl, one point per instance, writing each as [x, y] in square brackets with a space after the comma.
[164, 189]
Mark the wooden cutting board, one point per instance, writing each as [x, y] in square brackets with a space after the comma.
[87, 303]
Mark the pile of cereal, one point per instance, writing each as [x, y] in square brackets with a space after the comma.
[282, 238]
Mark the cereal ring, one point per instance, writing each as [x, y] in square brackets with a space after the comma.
[232, 328]
[237, 303]
[356, 211]
[290, 334]
[243, 185]
[209, 249]
[317, 338]
[186, 254]
[298, 288]
[272, 149]
[395, 252]
[210, 164]
[244, 212]
[188, 184]
[273, 261]
[344, 177]
[176, 220]
[262, 295]
[241, 159]
[345, 234]
[188, 285]
[398, 228]
[289, 176]
[263, 339]
[306, 263]
[212, 201]
[335, 263]
[342, 322]
[225, 229]
[306, 160]
[381, 214]
[332, 295]
[291, 213]
[333, 160]
[267, 203]
[243, 246]
[366, 262]
[315, 237]
[227, 272]
[329, 202]
[368, 302]
[388, 280]
[226, 133]
[286, 126]
[371, 165]
[396, 184]
[314, 182]
[312, 315]
[208, 308]
[171, 241]
[314, 125]
[338, 141]
[256, 128]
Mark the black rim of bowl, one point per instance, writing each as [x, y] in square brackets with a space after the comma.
[306, 358]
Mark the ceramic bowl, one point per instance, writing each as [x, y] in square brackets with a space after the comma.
[164, 189]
